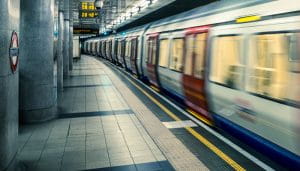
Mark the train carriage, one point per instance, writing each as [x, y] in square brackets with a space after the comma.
[234, 63]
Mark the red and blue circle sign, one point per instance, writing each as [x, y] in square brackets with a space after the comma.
[14, 51]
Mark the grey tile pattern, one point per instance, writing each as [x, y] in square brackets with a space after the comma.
[174, 150]
[89, 89]
[80, 143]
[87, 143]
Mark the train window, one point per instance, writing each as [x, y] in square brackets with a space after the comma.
[294, 47]
[126, 48]
[177, 54]
[164, 53]
[154, 49]
[152, 45]
[199, 50]
[119, 48]
[188, 70]
[227, 67]
[274, 71]
[121, 52]
[133, 48]
[149, 44]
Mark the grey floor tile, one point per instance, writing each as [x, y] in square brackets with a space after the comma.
[73, 166]
[48, 167]
[97, 155]
[74, 157]
[121, 162]
[116, 150]
[30, 155]
[94, 132]
[112, 131]
[141, 153]
[92, 147]
[160, 157]
[95, 138]
[144, 159]
[75, 148]
[52, 155]
[120, 155]
[97, 164]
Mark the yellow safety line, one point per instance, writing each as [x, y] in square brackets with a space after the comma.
[155, 88]
[203, 140]
[203, 119]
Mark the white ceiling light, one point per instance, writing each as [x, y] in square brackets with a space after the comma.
[99, 4]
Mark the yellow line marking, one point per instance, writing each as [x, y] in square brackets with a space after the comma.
[216, 150]
[203, 140]
[208, 122]
[154, 88]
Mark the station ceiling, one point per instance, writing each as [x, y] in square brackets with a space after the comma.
[124, 14]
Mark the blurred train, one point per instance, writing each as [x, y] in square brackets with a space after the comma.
[234, 63]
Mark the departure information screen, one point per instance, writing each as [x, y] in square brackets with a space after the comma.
[88, 10]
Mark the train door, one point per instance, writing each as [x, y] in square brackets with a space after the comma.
[152, 59]
[90, 48]
[115, 46]
[123, 49]
[109, 50]
[194, 72]
[128, 54]
[133, 56]
[99, 48]
[96, 48]
[104, 49]
[120, 60]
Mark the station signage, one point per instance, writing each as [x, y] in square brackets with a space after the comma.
[14, 51]
[85, 31]
[88, 10]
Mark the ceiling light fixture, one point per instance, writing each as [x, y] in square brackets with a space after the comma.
[99, 4]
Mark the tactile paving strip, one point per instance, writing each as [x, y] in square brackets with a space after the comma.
[177, 154]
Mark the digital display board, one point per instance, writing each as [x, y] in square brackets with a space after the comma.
[85, 31]
[87, 10]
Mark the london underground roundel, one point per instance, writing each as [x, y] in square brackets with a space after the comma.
[14, 51]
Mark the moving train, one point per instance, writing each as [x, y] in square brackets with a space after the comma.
[234, 63]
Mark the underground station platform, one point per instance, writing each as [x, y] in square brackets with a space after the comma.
[108, 120]
[149, 85]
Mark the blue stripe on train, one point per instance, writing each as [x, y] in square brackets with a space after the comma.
[277, 153]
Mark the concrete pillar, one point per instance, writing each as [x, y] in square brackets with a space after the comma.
[60, 56]
[56, 20]
[71, 37]
[9, 83]
[71, 47]
[37, 91]
[66, 38]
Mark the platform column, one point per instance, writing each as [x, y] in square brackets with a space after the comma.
[37, 86]
[66, 38]
[9, 83]
[60, 56]
[71, 37]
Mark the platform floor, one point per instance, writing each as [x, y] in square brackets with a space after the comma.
[97, 128]
[104, 123]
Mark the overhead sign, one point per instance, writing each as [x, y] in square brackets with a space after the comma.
[85, 31]
[88, 10]
[14, 51]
